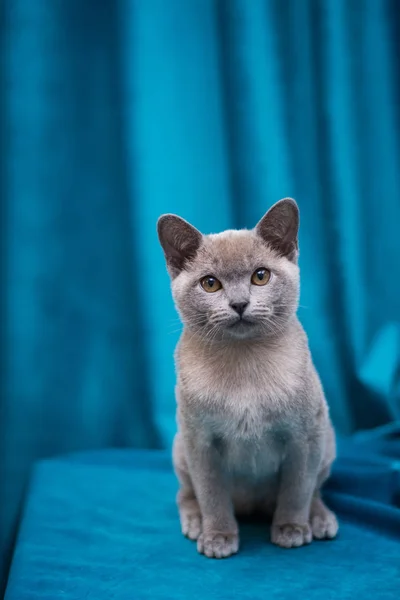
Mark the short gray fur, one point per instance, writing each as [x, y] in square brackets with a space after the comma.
[254, 428]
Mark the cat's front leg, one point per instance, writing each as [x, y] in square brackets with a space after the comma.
[299, 470]
[220, 535]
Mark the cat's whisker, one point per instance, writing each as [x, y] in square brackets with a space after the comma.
[174, 327]
[175, 331]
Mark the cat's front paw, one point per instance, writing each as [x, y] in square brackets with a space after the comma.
[291, 535]
[218, 544]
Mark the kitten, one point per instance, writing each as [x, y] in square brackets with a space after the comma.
[254, 428]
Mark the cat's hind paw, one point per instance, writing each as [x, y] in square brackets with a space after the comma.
[191, 526]
[324, 527]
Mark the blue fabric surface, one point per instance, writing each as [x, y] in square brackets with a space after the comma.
[104, 525]
[113, 112]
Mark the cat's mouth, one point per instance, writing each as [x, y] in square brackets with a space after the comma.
[242, 328]
[242, 322]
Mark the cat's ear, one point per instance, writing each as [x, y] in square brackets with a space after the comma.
[279, 228]
[179, 240]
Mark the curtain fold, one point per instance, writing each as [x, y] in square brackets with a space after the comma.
[113, 113]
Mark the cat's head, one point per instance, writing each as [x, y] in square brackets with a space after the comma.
[235, 284]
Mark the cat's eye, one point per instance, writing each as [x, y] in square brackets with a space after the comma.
[261, 276]
[210, 284]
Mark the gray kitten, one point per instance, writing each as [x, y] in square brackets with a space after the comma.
[254, 428]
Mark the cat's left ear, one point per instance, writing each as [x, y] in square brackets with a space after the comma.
[279, 228]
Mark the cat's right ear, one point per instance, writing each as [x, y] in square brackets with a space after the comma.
[179, 240]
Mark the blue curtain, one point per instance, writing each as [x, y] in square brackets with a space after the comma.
[113, 112]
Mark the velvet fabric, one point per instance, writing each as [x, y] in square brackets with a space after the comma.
[113, 112]
[104, 525]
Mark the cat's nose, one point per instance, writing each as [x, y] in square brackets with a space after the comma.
[239, 307]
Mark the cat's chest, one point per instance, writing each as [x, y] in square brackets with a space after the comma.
[247, 404]
[250, 438]
[246, 413]
[254, 372]
[244, 396]
[250, 413]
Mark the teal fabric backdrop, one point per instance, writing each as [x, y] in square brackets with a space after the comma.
[113, 112]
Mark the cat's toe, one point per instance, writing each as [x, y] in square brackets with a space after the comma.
[218, 545]
[324, 527]
[291, 535]
[191, 526]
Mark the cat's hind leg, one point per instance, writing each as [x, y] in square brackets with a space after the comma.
[324, 524]
[189, 510]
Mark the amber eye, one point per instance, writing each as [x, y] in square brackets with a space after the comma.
[261, 276]
[210, 284]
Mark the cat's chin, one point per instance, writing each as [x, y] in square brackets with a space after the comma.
[242, 329]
